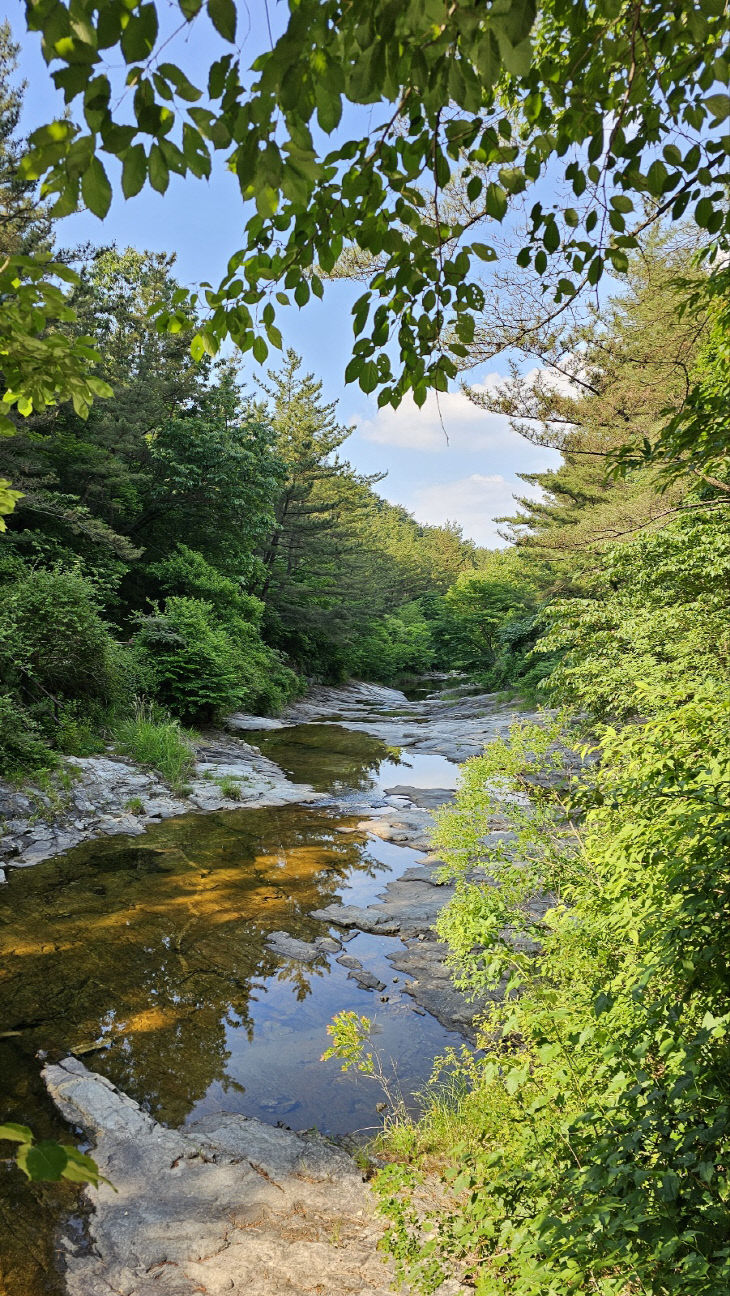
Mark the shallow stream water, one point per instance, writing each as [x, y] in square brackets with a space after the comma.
[147, 958]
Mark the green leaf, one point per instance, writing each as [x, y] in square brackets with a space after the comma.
[718, 105]
[134, 170]
[159, 171]
[44, 1161]
[222, 14]
[369, 376]
[16, 1133]
[551, 237]
[484, 252]
[190, 8]
[260, 349]
[267, 200]
[80, 1168]
[140, 34]
[496, 201]
[183, 87]
[95, 189]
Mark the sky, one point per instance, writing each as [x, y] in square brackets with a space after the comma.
[448, 461]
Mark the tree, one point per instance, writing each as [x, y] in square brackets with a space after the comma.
[312, 559]
[40, 363]
[505, 97]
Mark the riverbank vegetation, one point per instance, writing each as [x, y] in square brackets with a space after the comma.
[186, 547]
[585, 1148]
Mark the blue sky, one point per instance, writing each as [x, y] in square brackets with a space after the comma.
[467, 476]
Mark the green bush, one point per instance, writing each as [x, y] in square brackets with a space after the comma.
[202, 668]
[152, 738]
[22, 745]
[193, 662]
[266, 682]
[594, 1133]
[54, 644]
[185, 572]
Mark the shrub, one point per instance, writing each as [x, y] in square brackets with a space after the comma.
[595, 1126]
[186, 572]
[53, 643]
[152, 738]
[266, 682]
[22, 746]
[194, 663]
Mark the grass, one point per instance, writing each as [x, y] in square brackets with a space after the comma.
[135, 806]
[154, 739]
[230, 787]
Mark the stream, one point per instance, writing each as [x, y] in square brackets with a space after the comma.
[147, 958]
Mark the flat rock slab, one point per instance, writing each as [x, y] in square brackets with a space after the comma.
[425, 798]
[365, 919]
[228, 1205]
[240, 723]
[109, 796]
[290, 947]
[433, 988]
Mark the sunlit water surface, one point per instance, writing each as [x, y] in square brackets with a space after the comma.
[147, 957]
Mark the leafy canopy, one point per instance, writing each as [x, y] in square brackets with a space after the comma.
[620, 102]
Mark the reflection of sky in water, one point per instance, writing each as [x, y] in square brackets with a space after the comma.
[147, 957]
[346, 762]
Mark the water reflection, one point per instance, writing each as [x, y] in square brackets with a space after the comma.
[147, 957]
[140, 953]
[331, 758]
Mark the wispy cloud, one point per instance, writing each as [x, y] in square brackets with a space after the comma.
[472, 501]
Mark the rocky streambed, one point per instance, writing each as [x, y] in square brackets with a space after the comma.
[177, 970]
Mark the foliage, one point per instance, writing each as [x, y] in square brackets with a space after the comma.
[49, 1161]
[22, 744]
[42, 360]
[396, 646]
[192, 659]
[73, 661]
[505, 98]
[656, 626]
[596, 1128]
[155, 740]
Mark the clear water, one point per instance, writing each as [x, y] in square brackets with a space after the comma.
[147, 957]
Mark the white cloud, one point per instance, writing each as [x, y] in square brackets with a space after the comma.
[472, 501]
[447, 421]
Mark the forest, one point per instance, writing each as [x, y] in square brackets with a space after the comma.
[178, 546]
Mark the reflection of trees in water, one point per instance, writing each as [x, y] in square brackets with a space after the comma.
[153, 948]
[329, 757]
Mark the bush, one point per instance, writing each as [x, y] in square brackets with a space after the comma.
[186, 572]
[201, 668]
[22, 746]
[594, 1133]
[154, 739]
[194, 663]
[53, 643]
[266, 682]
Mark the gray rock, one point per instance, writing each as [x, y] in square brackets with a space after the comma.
[240, 723]
[228, 1205]
[289, 947]
[370, 920]
[328, 944]
[425, 798]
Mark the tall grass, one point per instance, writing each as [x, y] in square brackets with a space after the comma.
[151, 737]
